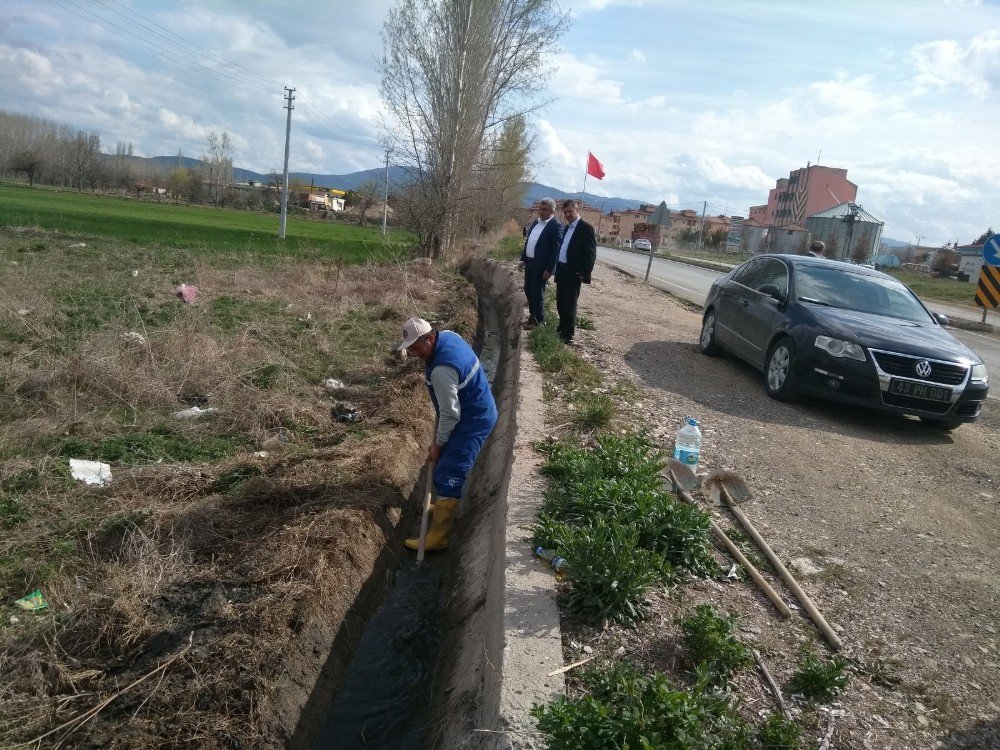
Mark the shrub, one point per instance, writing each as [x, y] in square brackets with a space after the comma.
[708, 640]
[610, 574]
[820, 679]
[779, 733]
[625, 708]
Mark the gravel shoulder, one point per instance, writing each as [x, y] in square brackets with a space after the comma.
[900, 520]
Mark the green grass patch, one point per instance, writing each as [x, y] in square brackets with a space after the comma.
[710, 644]
[779, 733]
[159, 444]
[584, 323]
[818, 678]
[594, 411]
[150, 223]
[626, 708]
[555, 358]
[605, 510]
[508, 248]
[942, 290]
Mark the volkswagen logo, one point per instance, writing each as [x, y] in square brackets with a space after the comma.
[923, 368]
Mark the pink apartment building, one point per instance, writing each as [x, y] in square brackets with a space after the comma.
[803, 193]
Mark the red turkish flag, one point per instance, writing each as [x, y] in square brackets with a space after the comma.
[594, 168]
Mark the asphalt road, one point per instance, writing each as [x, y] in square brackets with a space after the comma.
[693, 282]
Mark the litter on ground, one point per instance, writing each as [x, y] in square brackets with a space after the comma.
[90, 472]
[33, 601]
[187, 293]
[195, 412]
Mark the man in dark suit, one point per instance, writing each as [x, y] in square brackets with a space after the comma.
[541, 251]
[577, 255]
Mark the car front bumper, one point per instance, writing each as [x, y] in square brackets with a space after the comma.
[864, 384]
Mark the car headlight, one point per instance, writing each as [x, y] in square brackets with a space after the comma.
[979, 374]
[840, 348]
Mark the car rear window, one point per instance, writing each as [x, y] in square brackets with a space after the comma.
[860, 292]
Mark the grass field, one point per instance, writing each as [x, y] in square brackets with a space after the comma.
[942, 290]
[200, 228]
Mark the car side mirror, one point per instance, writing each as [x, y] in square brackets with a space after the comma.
[773, 292]
[941, 318]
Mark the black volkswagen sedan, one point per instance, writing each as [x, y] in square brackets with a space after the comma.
[846, 333]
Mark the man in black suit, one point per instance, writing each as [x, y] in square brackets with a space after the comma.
[541, 251]
[577, 255]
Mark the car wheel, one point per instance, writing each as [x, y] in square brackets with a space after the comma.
[941, 424]
[779, 370]
[707, 342]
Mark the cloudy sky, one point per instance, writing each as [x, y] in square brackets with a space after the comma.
[700, 100]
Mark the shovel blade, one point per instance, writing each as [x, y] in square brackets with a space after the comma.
[734, 484]
[685, 476]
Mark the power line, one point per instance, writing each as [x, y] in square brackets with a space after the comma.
[204, 50]
[226, 78]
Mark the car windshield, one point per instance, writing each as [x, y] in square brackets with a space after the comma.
[878, 295]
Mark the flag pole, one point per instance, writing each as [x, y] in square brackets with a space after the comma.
[586, 171]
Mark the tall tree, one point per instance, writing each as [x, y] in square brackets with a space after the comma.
[81, 154]
[219, 162]
[453, 71]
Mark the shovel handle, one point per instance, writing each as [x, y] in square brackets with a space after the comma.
[740, 558]
[807, 603]
[428, 492]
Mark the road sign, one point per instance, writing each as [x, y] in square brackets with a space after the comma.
[988, 289]
[991, 251]
[661, 216]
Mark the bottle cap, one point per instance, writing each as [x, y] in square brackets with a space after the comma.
[692, 421]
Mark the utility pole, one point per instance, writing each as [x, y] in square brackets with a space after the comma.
[290, 96]
[701, 233]
[385, 203]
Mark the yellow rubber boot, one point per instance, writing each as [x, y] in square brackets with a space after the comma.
[442, 520]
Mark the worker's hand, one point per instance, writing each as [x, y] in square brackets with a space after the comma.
[434, 454]
[545, 275]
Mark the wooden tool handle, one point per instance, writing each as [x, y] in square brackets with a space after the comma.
[762, 584]
[787, 577]
[428, 492]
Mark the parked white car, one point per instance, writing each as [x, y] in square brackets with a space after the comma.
[642, 245]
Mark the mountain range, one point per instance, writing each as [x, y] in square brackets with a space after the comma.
[397, 176]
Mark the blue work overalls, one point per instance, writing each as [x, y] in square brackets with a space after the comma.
[478, 413]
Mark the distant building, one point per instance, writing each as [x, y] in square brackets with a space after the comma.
[792, 239]
[848, 231]
[804, 193]
[970, 261]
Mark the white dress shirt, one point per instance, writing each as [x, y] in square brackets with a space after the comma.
[536, 232]
[567, 236]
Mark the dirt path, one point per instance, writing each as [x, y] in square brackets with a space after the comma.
[900, 519]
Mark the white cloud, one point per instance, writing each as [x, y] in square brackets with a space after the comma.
[554, 148]
[585, 80]
[947, 63]
[637, 56]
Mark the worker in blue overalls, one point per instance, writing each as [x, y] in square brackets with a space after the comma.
[466, 414]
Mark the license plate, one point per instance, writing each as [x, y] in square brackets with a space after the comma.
[919, 390]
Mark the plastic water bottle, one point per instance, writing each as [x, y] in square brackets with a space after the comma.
[558, 564]
[687, 445]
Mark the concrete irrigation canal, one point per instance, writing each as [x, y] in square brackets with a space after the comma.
[418, 661]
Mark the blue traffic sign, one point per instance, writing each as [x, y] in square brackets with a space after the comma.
[991, 251]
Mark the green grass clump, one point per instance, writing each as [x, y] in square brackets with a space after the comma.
[779, 733]
[159, 444]
[625, 708]
[508, 248]
[555, 358]
[594, 411]
[820, 679]
[605, 510]
[584, 323]
[709, 642]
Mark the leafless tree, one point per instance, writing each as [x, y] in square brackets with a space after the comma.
[81, 156]
[366, 196]
[453, 71]
[219, 163]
